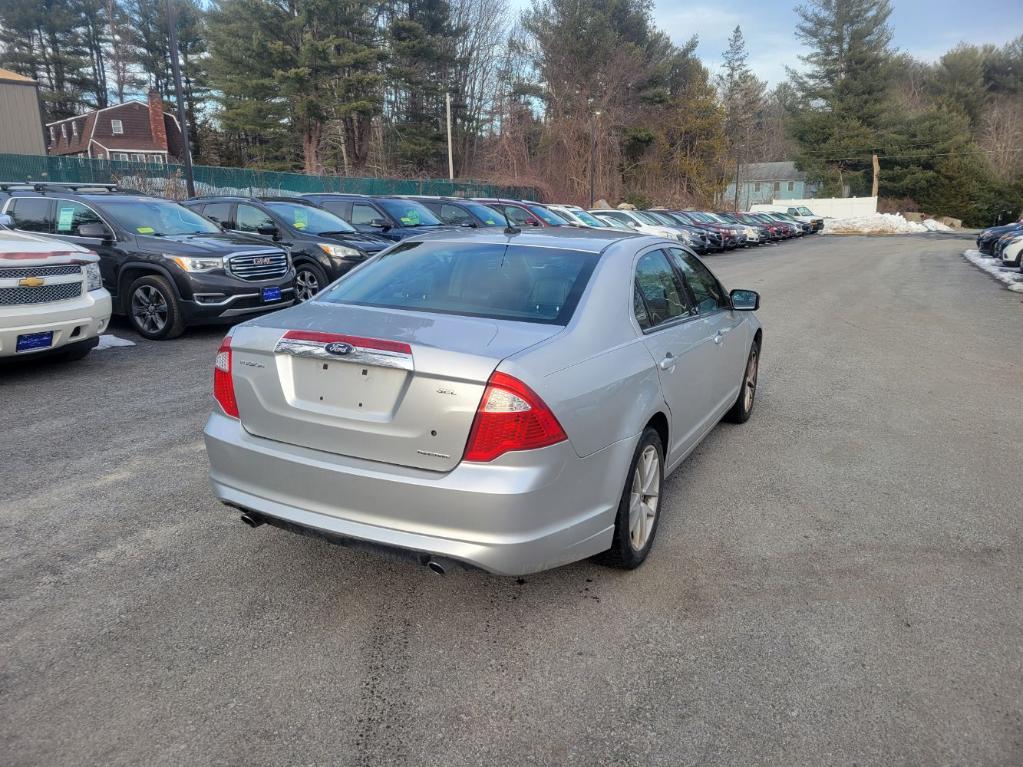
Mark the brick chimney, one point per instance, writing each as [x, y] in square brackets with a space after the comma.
[156, 125]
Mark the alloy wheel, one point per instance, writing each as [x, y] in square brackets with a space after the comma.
[149, 309]
[645, 497]
[750, 382]
[306, 285]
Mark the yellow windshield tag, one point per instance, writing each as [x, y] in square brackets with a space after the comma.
[144, 229]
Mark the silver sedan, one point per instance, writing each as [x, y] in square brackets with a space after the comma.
[507, 401]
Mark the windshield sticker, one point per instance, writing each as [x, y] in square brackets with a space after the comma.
[410, 217]
[301, 219]
[65, 219]
[144, 229]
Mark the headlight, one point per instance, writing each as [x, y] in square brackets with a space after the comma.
[340, 251]
[190, 264]
[93, 279]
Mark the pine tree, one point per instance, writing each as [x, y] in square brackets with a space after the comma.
[742, 98]
[843, 93]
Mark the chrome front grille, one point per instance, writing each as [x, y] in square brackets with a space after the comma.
[20, 272]
[258, 266]
[41, 295]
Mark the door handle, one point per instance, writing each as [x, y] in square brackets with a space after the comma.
[722, 332]
[668, 362]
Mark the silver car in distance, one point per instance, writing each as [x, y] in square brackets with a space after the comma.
[505, 401]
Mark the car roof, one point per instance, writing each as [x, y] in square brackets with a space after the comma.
[566, 238]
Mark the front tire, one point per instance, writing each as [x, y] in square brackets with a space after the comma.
[639, 508]
[309, 280]
[153, 308]
[743, 406]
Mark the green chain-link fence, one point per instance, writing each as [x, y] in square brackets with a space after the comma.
[169, 181]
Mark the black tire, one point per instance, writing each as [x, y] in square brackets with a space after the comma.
[78, 350]
[153, 291]
[306, 274]
[743, 407]
[623, 553]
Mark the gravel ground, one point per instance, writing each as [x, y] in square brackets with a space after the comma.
[839, 581]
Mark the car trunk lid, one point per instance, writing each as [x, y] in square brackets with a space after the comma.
[396, 387]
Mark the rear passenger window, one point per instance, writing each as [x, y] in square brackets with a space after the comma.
[660, 289]
[707, 291]
[452, 214]
[32, 214]
[71, 215]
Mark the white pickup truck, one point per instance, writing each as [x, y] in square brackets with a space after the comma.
[52, 300]
[799, 212]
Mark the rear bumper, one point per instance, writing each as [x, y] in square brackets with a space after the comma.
[88, 315]
[523, 513]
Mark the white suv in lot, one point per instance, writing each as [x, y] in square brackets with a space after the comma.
[52, 300]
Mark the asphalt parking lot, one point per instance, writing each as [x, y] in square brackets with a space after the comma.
[839, 581]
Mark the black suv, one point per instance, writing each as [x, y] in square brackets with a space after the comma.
[392, 217]
[458, 212]
[165, 266]
[322, 246]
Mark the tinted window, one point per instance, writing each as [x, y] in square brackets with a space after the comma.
[639, 308]
[549, 216]
[251, 219]
[487, 215]
[364, 214]
[662, 293]
[219, 212]
[452, 214]
[339, 208]
[519, 215]
[509, 283]
[32, 214]
[71, 215]
[706, 290]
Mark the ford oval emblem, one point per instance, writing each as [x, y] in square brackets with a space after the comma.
[339, 348]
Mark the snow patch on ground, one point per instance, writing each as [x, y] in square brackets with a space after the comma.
[881, 223]
[1009, 275]
[107, 341]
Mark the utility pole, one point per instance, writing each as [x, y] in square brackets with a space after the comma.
[736, 182]
[593, 155]
[172, 23]
[451, 160]
[877, 173]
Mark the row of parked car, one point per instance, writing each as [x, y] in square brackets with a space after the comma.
[1004, 243]
[217, 259]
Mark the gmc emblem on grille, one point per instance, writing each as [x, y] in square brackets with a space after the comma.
[262, 261]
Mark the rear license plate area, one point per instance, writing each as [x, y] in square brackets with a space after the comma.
[30, 341]
[271, 294]
[347, 387]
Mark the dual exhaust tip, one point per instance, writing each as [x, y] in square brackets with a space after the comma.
[255, 520]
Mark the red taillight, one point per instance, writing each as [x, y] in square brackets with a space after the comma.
[223, 384]
[511, 416]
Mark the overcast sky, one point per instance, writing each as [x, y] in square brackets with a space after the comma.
[924, 29]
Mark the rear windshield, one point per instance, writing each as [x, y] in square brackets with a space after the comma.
[515, 282]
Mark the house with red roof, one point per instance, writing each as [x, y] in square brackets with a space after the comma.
[135, 131]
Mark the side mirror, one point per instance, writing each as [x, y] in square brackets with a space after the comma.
[745, 300]
[94, 231]
[632, 225]
[6, 221]
[267, 230]
[379, 223]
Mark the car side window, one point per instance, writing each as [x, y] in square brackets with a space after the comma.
[71, 215]
[32, 214]
[660, 289]
[709, 295]
[452, 214]
[639, 308]
[518, 215]
[251, 219]
[364, 214]
[219, 212]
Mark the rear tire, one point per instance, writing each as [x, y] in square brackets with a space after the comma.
[743, 406]
[153, 308]
[640, 505]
